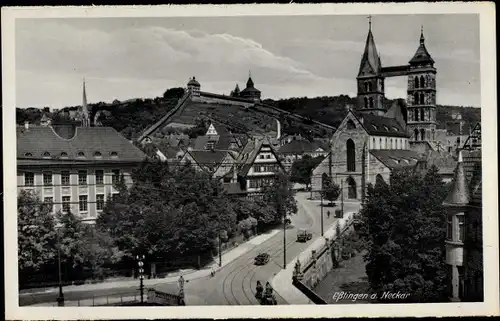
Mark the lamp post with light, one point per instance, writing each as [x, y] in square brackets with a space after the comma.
[60, 298]
[140, 264]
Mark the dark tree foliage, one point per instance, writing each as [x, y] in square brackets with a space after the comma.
[405, 225]
[302, 169]
[330, 191]
[280, 197]
[168, 213]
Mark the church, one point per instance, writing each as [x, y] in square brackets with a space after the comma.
[375, 138]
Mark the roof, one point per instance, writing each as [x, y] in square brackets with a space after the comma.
[370, 59]
[193, 82]
[250, 152]
[380, 125]
[442, 160]
[473, 173]
[298, 146]
[396, 158]
[422, 55]
[98, 144]
[459, 193]
[208, 158]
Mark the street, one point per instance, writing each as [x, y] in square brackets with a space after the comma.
[234, 283]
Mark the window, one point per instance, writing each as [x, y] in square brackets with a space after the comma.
[373, 142]
[65, 178]
[46, 154]
[371, 102]
[422, 115]
[422, 99]
[350, 124]
[449, 229]
[99, 202]
[380, 143]
[268, 156]
[416, 115]
[422, 81]
[97, 154]
[256, 168]
[82, 203]
[64, 154]
[28, 154]
[115, 178]
[50, 202]
[461, 228]
[82, 177]
[351, 156]
[366, 102]
[415, 99]
[366, 87]
[47, 178]
[81, 154]
[415, 134]
[261, 156]
[416, 82]
[29, 179]
[66, 204]
[398, 143]
[210, 145]
[422, 133]
[369, 87]
[99, 177]
[115, 154]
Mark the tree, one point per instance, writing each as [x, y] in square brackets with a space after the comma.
[330, 190]
[302, 169]
[280, 197]
[406, 225]
[174, 93]
[36, 234]
[168, 213]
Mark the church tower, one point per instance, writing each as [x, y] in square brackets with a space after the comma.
[85, 113]
[370, 96]
[421, 98]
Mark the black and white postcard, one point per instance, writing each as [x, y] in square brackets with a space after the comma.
[326, 159]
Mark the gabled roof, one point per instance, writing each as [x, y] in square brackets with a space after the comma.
[207, 158]
[298, 146]
[370, 60]
[95, 144]
[250, 152]
[396, 158]
[380, 125]
[422, 55]
[473, 142]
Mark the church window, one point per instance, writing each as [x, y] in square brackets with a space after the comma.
[380, 143]
[366, 102]
[366, 87]
[415, 134]
[422, 115]
[416, 114]
[350, 124]
[415, 99]
[422, 99]
[371, 102]
[422, 133]
[379, 181]
[351, 156]
[369, 87]
[422, 81]
[416, 82]
[373, 142]
[351, 184]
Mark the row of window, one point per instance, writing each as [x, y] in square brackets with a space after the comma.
[265, 168]
[267, 156]
[419, 114]
[260, 182]
[79, 154]
[422, 135]
[369, 102]
[368, 86]
[29, 178]
[389, 143]
[82, 203]
[420, 99]
[460, 237]
[420, 82]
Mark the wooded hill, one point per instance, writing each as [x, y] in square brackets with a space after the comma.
[133, 116]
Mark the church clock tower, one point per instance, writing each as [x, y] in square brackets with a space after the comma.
[370, 80]
[421, 98]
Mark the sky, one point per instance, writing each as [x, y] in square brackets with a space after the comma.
[288, 56]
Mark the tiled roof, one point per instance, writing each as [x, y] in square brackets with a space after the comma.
[381, 126]
[422, 55]
[95, 144]
[370, 56]
[459, 193]
[208, 158]
[396, 158]
[442, 160]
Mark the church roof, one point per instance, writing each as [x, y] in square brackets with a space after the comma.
[250, 87]
[396, 158]
[193, 82]
[422, 55]
[459, 193]
[370, 60]
[298, 146]
[380, 125]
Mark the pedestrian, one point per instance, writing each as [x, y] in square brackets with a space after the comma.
[260, 289]
[213, 271]
[328, 214]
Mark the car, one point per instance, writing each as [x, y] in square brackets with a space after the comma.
[262, 259]
[303, 235]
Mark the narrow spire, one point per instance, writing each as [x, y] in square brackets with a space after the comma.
[84, 101]
[369, 22]
[249, 74]
[422, 39]
[459, 193]
[370, 61]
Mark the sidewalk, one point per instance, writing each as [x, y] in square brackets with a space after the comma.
[282, 282]
[227, 258]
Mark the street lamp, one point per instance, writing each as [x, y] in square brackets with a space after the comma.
[321, 193]
[140, 264]
[60, 298]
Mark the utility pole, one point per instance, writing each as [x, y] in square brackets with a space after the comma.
[284, 238]
[60, 298]
[342, 197]
[321, 193]
[220, 253]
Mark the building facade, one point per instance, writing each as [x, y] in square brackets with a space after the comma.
[74, 168]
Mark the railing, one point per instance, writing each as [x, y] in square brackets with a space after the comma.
[123, 298]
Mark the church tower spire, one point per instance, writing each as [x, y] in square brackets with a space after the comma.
[421, 99]
[370, 96]
[85, 111]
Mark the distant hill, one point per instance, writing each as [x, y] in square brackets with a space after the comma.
[132, 117]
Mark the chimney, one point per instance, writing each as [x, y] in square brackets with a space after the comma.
[26, 125]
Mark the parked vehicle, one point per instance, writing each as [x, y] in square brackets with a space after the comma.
[262, 259]
[303, 235]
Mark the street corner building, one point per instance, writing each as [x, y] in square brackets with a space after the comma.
[72, 167]
[376, 138]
